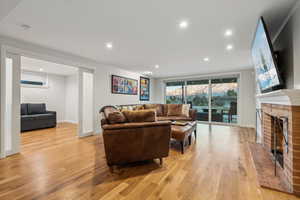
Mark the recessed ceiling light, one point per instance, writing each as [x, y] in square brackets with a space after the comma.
[228, 33]
[156, 66]
[183, 24]
[229, 47]
[109, 45]
[206, 59]
[41, 69]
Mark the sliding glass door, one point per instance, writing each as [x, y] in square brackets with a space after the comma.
[197, 95]
[175, 92]
[215, 99]
[224, 100]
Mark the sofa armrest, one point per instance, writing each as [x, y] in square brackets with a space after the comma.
[193, 114]
[135, 125]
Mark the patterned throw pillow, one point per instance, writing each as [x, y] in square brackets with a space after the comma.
[186, 110]
[116, 118]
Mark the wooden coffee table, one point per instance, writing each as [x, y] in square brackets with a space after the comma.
[182, 133]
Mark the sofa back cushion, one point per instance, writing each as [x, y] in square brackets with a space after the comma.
[178, 110]
[36, 108]
[24, 109]
[174, 109]
[148, 115]
[157, 107]
[116, 117]
[165, 110]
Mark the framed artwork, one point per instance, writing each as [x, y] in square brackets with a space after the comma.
[123, 85]
[144, 89]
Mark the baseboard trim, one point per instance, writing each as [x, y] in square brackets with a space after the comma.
[67, 121]
[87, 134]
[247, 126]
[226, 124]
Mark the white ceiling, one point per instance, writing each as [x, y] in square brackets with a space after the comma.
[35, 65]
[145, 32]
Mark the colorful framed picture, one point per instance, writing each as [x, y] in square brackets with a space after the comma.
[123, 85]
[144, 89]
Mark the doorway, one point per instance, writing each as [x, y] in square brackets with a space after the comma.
[14, 77]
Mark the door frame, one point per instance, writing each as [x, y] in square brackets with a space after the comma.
[80, 131]
[15, 109]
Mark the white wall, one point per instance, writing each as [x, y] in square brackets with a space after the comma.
[247, 98]
[53, 95]
[71, 99]
[103, 95]
[61, 96]
[8, 106]
[246, 102]
[87, 102]
[159, 91]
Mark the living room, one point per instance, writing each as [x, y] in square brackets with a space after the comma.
[169, 99]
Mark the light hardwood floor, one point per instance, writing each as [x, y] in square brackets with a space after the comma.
[55, 164]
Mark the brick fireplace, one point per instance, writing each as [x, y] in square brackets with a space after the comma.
[281, 136]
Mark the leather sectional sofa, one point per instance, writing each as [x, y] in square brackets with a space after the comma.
[162, 111]
[35, 116]
[137, 141]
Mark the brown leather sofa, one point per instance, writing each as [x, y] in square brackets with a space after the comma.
[138, 141]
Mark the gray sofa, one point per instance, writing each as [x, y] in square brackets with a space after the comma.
[35, 116]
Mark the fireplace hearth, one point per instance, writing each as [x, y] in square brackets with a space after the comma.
[281, 139]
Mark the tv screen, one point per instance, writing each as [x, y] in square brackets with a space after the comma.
[263, 59]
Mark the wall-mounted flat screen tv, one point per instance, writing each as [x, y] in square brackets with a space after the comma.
[264, 60]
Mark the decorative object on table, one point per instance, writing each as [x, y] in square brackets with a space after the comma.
[180, 123]
[144, 89]
[123, 85]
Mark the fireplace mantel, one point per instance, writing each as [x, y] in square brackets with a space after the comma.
[283, 97]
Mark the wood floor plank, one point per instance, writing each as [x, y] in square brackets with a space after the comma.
[55, 164]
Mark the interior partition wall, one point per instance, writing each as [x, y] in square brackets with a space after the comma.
[214, 98]
[86, 103]
[10, 104]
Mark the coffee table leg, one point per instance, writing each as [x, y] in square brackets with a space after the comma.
[182, 147]
[190, 139]
[195, 134]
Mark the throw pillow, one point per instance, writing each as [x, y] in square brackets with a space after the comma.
[116, 118]
[157, 107]
[174, 109]
[109, 109]
[186, 110]
[140, 115]
[140, 107]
